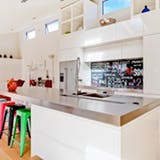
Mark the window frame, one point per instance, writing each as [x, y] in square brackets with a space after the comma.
[102, 7]
[49, 23]
[27, 33]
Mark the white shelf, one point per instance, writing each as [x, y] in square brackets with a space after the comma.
[64, 22]
[78, 17]
[66, 28]
[66, 14]
[78, 24]
[77, 9]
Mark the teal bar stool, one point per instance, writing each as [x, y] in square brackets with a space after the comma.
[24, 115]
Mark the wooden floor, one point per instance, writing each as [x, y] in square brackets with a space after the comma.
[7, 153]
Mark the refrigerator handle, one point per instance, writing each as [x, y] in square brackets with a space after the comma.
[66, 78]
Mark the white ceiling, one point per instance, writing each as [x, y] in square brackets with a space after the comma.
[15, 15]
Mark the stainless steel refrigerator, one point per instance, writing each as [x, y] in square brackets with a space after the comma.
[69, 75]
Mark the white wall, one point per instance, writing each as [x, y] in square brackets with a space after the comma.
[9, 68]
[36, 52]
[9, 45]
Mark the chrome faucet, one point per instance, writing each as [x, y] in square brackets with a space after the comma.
[78, 63]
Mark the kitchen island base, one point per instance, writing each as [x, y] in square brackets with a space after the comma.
[63, 136]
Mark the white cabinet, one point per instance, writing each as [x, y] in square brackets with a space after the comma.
[132, 49]
[152, 64]
[78, 15]
[114, 51]
[70, 137]
[151, 22]
[103, 53]
[130, 29]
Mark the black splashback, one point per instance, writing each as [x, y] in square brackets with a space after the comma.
[118, 74]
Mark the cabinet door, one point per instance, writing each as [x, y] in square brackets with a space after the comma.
[132, 49]
[152, 64]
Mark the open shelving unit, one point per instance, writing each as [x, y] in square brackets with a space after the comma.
[78, 24]
[66, 27]
[66, 14]
[77, 9]
[75, 16]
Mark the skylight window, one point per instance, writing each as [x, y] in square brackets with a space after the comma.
[52, 26]
[109, 6]
[30, 34]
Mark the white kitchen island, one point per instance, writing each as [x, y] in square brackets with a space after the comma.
[78, 128]
[62, 136]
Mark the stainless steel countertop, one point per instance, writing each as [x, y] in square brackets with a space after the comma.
[116, 110]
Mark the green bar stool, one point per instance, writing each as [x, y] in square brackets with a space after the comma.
[24, 115]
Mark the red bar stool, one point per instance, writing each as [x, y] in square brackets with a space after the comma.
[10, 110]
[5, 97]
[2, 111]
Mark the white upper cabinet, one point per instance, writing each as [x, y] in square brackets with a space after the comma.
[103, 53]
[151, 22]
[152, 64]
[126, 30]
[79, 15]
[128, 49]
[132, 49]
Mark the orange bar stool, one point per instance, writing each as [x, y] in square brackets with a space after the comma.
[2, 111]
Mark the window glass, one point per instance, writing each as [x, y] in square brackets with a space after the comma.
[52, 26]
[30, 34]
[114, 5]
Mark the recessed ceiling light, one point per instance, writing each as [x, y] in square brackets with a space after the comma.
[34, 18]
[24, 1]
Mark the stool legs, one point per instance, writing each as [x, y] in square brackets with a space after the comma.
[29, 127]
[23, 134]
[24, 115]
[10, 125]
[23, 130]
[2, 110]
[5, 116]
[14, 131]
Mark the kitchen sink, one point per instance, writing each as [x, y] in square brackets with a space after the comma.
[96, 95]
[80, 93]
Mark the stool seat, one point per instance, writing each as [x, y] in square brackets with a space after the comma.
[24, 115]
[25, 112]
[2, 100]
[5, 97]
[11, 109]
